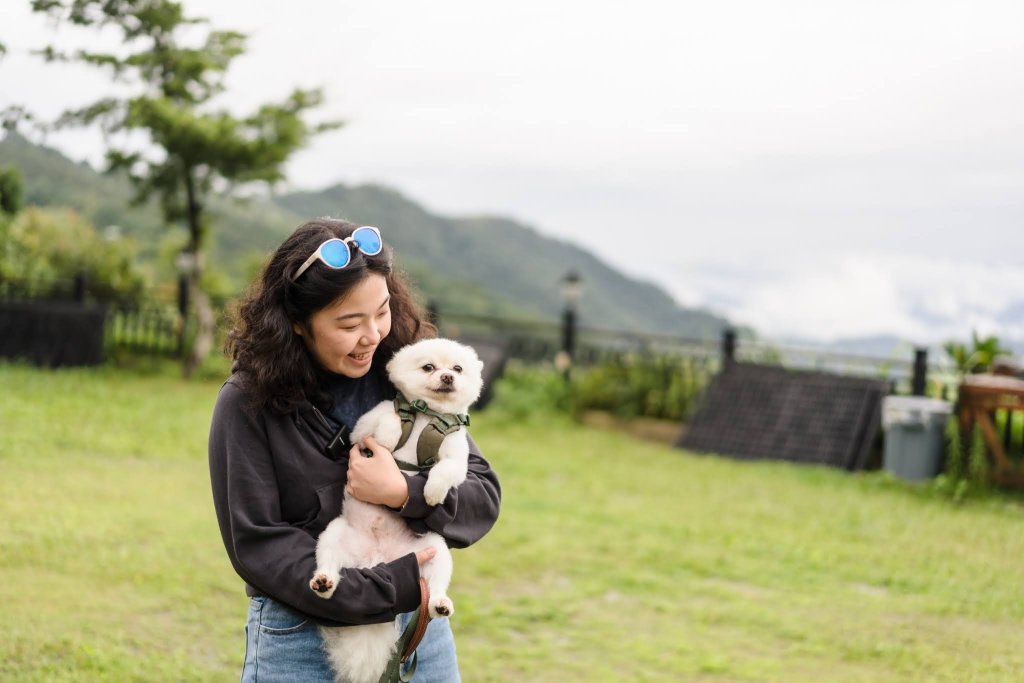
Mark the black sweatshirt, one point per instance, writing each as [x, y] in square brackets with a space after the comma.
[274, 491]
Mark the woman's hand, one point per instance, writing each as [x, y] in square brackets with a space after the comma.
[376, 480]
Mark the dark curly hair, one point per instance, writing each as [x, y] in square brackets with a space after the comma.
[276, 368]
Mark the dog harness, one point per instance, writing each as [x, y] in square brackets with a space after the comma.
[429, 444]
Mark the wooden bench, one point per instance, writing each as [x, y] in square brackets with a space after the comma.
[980, 397]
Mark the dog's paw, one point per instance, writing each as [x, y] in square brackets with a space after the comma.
[435, 491]
[322, 585]
[441, 607]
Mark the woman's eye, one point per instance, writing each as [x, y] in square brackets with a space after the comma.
[457, 368]
[351, 329]
[428, 368]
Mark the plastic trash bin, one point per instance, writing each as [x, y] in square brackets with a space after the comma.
[915, 430]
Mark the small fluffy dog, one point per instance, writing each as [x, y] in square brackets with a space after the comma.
[447, 377]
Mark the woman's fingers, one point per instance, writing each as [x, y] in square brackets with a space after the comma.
[376, 479]
[377, 449]
[425, 555]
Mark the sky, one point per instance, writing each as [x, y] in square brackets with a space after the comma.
[815, 169]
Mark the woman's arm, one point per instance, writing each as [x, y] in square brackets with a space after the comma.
[467, 512]
[270, 554]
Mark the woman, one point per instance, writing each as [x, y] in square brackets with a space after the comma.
[309, 349]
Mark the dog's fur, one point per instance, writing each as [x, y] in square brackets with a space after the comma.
[365, 535]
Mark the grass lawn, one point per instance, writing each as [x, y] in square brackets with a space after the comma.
[614, 560]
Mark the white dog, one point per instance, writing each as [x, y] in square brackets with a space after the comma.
[446, 377]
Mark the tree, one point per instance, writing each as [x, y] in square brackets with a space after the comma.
[194, 147]
[978, 357]
[11, 190]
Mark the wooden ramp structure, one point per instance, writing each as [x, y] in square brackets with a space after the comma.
[763, 412]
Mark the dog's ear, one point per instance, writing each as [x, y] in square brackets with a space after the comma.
[478, 365]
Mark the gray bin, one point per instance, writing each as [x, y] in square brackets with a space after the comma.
[914, 436]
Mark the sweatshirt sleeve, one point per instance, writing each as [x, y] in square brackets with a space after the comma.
[270, 554]
[467, 512]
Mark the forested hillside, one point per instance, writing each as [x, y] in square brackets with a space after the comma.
[477, 264]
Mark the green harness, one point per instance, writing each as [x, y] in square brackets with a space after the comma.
[429, 444]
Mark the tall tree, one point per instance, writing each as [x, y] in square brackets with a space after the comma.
[194, 146]
[11, 190]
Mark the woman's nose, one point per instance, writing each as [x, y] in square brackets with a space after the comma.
[372, 335]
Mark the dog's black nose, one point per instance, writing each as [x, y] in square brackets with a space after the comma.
[447, 378]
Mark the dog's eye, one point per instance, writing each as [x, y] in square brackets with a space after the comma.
[428, 367]
[457, 368]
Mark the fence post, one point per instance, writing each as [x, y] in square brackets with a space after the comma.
[920, 372]
[79, 287]
[568, 340]
[183, 297]
[728, 347]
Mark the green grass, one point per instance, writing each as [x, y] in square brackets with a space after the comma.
[614, 560]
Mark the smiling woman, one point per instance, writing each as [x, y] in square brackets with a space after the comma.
[309, 349]
[343, 337]
[294, 325]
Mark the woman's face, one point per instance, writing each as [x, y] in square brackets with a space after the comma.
[343, 336]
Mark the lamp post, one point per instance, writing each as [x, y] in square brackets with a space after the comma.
[185, 264]
[572, 290]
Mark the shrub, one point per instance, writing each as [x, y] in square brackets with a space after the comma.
[41, 248]
[527, 392]
[661, 387]
[640, 386]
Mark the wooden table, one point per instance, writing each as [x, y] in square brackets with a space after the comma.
[980, 397]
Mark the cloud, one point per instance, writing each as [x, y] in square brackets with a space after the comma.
[808, 168]
[835, 296]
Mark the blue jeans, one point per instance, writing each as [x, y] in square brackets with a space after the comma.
[282, 646]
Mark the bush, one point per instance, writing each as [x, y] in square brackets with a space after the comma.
[661, 387]
[525, 392]
[43, 250]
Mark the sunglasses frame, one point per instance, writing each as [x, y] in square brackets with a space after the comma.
[318, 254]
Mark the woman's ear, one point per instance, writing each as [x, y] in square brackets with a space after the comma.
[297, 329]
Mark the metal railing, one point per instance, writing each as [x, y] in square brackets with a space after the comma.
[541, 340]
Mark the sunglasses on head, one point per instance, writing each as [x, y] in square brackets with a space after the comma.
[335, 252]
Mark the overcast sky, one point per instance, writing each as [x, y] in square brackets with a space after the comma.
[817, 169]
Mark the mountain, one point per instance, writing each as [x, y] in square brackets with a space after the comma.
[509, 258]
[242, 228]
[480, 264]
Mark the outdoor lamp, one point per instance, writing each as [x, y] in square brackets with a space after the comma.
[572, 290]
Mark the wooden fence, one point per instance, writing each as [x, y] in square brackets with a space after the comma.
[161, 329]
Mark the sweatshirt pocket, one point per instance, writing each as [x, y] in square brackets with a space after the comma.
[331, 498]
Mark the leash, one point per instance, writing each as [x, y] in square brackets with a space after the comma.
[407, 643]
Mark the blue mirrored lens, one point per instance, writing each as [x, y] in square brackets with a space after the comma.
[369, 240]
[335, 253]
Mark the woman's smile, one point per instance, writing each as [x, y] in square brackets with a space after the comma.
[361, 358]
